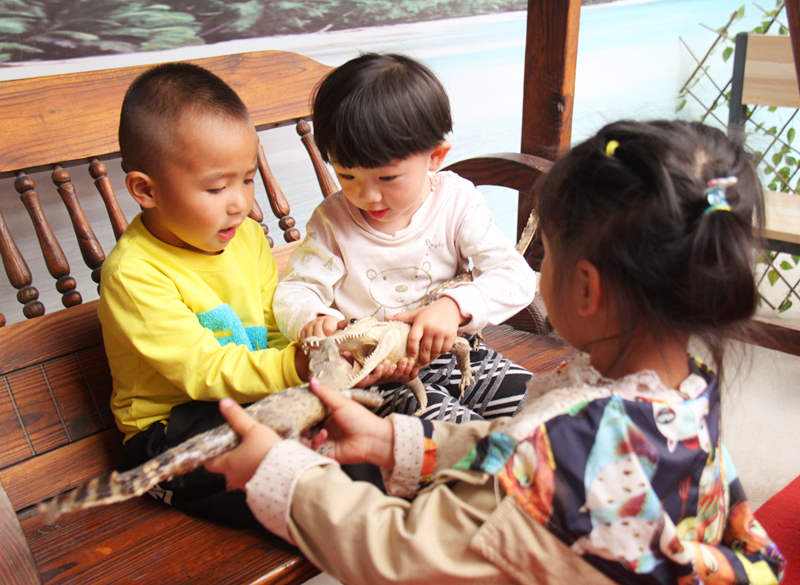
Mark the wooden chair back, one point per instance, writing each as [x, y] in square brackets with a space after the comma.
[57, 123]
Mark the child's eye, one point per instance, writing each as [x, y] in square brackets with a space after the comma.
[346, 177]
[248, 181]
[216, 191]
[387, 179]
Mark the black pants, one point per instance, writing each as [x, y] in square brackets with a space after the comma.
[200, 493]
[500, 389]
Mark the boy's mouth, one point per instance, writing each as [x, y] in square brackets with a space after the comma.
[227, 234]
[378, 214]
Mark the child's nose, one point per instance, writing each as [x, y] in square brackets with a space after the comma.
[370, 193]
[240, 201]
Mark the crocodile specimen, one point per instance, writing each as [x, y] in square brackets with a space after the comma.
[288, 412]
[370, 342]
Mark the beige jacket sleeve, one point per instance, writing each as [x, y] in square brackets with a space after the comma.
[460, 530]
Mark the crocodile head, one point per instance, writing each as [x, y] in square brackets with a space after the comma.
[369, 341]
[327, 364]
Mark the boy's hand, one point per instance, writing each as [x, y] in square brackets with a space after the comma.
[434, 328]
[239, 465]
[352, 434]
[322, 326]
[301, 364]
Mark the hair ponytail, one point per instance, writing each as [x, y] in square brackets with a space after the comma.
[639, 211]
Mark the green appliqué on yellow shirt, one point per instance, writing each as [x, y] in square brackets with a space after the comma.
[228, 328]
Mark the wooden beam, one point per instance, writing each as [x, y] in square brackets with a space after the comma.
[551, 52]
[793, 16]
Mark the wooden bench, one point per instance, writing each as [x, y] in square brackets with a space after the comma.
[56, 427]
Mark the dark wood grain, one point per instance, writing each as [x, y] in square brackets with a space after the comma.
[277, 200]
[48, 337]
[84, 107]
[17, 565]
[507, 169]
[99, 173]
[40, 478]
[536, 353]
[773, 334]
[551, 53]
[19, 275]
[145, 542]
[326, 182]
[91, 250]
[793, 16]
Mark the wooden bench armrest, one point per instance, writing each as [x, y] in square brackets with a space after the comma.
[506, 169]
[519, 172]
[774, 334]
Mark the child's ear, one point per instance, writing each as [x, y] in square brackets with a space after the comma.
[589, 287]
[438, 154]
[141, 188]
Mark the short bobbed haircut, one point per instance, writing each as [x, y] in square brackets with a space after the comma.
[157, 101]
[639, 212]
[378, 108]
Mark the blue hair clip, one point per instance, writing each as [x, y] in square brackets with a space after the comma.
[715, 194]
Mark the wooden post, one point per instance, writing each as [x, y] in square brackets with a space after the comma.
[551, 51]
[793, 16]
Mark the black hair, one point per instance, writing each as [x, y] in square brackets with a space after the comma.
[156, 100]
[377, 108]
[639, 212]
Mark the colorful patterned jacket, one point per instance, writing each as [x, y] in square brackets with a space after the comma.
[632, 476]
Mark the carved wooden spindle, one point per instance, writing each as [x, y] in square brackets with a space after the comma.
[19, 275]
[326, 182]
[277, 200]
[258, 215]
[90, 247]
[99, 173]
[54, 257]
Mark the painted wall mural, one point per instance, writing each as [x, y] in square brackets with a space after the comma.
[43, 30]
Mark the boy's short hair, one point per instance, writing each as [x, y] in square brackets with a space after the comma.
[155, 102]
[377, 108]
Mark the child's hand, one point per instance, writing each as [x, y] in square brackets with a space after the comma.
[352, 434]
[239, 465]
[387, 373]
[322, 326]
[301, 364]
[433, 329]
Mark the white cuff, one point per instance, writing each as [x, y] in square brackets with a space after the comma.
[409, 452]
[270, 490]
[305, 313]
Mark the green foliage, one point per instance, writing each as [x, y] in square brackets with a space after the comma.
[63, 29]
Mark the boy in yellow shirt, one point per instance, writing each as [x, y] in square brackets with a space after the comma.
[186, 294]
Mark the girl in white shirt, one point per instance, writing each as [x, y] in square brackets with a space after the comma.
[398, 229]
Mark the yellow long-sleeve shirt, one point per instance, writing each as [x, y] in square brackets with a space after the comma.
[179, 325]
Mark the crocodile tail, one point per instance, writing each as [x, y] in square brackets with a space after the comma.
[527, 234]
[120, 486]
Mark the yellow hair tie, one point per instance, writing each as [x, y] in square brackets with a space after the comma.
[611, 147]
